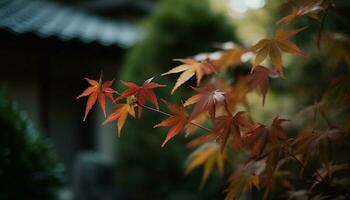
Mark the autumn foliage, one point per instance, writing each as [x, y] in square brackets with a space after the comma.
[219, 121]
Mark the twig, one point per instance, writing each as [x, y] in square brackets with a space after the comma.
[170, 115]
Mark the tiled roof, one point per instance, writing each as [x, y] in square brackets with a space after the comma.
[47, 18]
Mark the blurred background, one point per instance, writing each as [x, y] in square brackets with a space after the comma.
[48, 47]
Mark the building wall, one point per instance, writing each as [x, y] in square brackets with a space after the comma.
[45, 81]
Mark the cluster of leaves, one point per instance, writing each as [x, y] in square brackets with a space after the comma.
[268, 150]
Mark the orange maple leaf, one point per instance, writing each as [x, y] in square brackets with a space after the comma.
[190, 68]
[141, 93]
[121, 113]
[177, 121]
[274, 47]
[97, 90]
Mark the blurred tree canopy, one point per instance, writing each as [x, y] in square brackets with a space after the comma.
[28, 165]
[176, 29]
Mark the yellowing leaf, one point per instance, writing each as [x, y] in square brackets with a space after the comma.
[241, 183]
[208, 155]
[190, 68]
[229, 57]
[274, 47]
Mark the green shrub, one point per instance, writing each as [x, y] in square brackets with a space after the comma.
[28, 167]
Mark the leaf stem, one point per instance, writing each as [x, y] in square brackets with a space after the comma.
[170, 115]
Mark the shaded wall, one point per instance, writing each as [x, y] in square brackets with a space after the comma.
[45, 77]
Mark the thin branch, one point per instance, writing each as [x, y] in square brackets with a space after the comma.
[170, 115]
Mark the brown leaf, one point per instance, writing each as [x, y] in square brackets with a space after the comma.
[308, 7]
[327, 171]
[259, 78]
[263, 139]
[312, 143]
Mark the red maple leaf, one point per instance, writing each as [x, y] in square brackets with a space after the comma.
[207, 99]
[226, 128]
[141, 93]
[97, 90]
[177, 121]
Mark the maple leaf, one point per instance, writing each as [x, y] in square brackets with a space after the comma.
[279, 180]
[97, 90]
[226, 128]
[260, 78]
[263, 139]
[208, 155]
[327, 171]
[207, 99]
[274, 48]
[177, 121]
[229, 57]
[309, 7]
[141, 93]
[338, 46]
[313, 143]
[190, 68]
[240, 183]
[120, 114]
